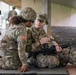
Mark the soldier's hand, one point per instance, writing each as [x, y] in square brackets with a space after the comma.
[45, 40]
[23, 68]
[58, 48]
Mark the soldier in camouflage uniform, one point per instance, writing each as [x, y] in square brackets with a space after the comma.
[15, 40]
[41, 41]
[12, 13]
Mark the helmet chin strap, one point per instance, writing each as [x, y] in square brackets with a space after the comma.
[29, 25]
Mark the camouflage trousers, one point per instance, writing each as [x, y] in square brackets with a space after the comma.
[49, 61]
[9, 63]
[62, 58]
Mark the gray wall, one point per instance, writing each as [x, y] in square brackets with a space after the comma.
[62, 15]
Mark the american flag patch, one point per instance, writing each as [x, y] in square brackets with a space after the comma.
[23, 37]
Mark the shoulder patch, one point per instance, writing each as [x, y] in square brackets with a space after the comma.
[23, 37]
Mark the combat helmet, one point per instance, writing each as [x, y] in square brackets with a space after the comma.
[42, 18]
[28, 14]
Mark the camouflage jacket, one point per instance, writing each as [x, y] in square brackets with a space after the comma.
[16, 42]
[35, 35]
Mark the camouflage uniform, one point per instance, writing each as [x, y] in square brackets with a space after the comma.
[46, 60]
[41, 59]
[15, 40]
[12, 13]
[14, 44]
[72, 57]
[37, 34]
[59, 59]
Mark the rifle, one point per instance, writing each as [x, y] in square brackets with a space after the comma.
[51, 50]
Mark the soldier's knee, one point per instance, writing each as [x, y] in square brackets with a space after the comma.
[41, 61]
[47, 61]
[52, 61]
